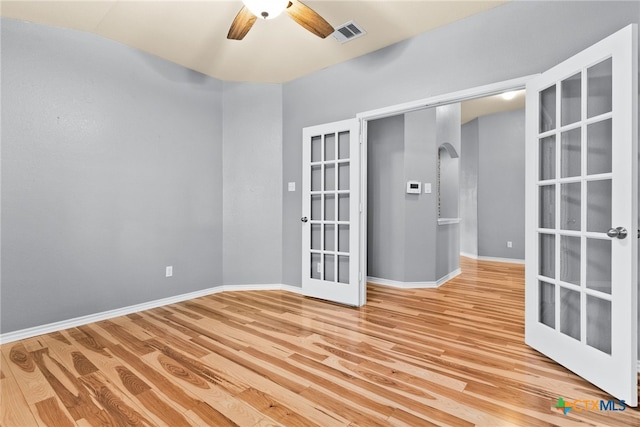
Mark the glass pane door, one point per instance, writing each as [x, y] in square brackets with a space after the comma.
[581, 307]
[574, 189]
[331, 212]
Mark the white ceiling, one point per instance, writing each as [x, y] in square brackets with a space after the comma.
[193, 33]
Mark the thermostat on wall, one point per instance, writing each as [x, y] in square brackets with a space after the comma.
[413, 187]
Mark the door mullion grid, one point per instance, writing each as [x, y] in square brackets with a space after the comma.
[558, 197]
[583, 207]
[322, 202]
[335, 209]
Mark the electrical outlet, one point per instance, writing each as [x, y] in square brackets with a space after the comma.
[509, 244]
[168, 271]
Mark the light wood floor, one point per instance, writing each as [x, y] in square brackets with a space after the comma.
[449, 356]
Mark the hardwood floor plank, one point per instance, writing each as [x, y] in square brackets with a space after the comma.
[122, 380]
[210, 403]
[20, 366]
[179, 397]
[14, 410]
[243, 359]
[274, 409]
[120, 408]
[451, 356]
[400, 418]
[52, 414]
[269, 380]
[161, 333]
[119, 333]
[335, 404]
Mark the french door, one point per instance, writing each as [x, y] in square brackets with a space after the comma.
[581, 269]
[331, 214]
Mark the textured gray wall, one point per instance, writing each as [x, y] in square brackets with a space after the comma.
[386, 198]
[513, 40]
[111, 170]
[420, 157]
[469, 189]
[501, 185]
[252, 176]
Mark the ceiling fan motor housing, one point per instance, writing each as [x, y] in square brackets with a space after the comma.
[266, 9]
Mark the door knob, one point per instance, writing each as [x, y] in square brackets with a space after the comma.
[619, 232]
[304, 219]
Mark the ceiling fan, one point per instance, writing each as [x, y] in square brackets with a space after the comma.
[269, 9]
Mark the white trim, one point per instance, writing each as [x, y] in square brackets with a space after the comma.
[496, 259]
[446, 221]
[447, 98]
[110, 314]
[402, 285]
[468, 255]
[444, 279]
[414, 285]
[492, 259]
[265, 287]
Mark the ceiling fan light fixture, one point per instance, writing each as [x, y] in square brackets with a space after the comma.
[266, 9]
[508, 96]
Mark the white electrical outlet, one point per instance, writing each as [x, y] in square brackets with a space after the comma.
[292, 186]
[168, 272]
[509, 244]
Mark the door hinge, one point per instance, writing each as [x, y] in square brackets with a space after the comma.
[360, 276]
[360, 207]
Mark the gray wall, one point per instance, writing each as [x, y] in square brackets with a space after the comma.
[512, 40]
[252, 176]
[501, 185]
[386, 198]
[421, 156]
[111, 170]
[469, 189]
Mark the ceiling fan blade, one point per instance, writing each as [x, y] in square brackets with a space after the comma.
[241, 25]
[309, 19]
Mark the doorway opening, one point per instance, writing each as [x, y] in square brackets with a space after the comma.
[417, 236]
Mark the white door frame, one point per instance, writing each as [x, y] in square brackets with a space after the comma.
[434, 101]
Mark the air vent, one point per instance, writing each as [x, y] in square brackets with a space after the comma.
[349, 31]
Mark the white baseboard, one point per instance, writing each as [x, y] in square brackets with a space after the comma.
[493, 259]
[413, 285]
[455, 273]
[110, 314]
[507, 260]
[398, 284]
